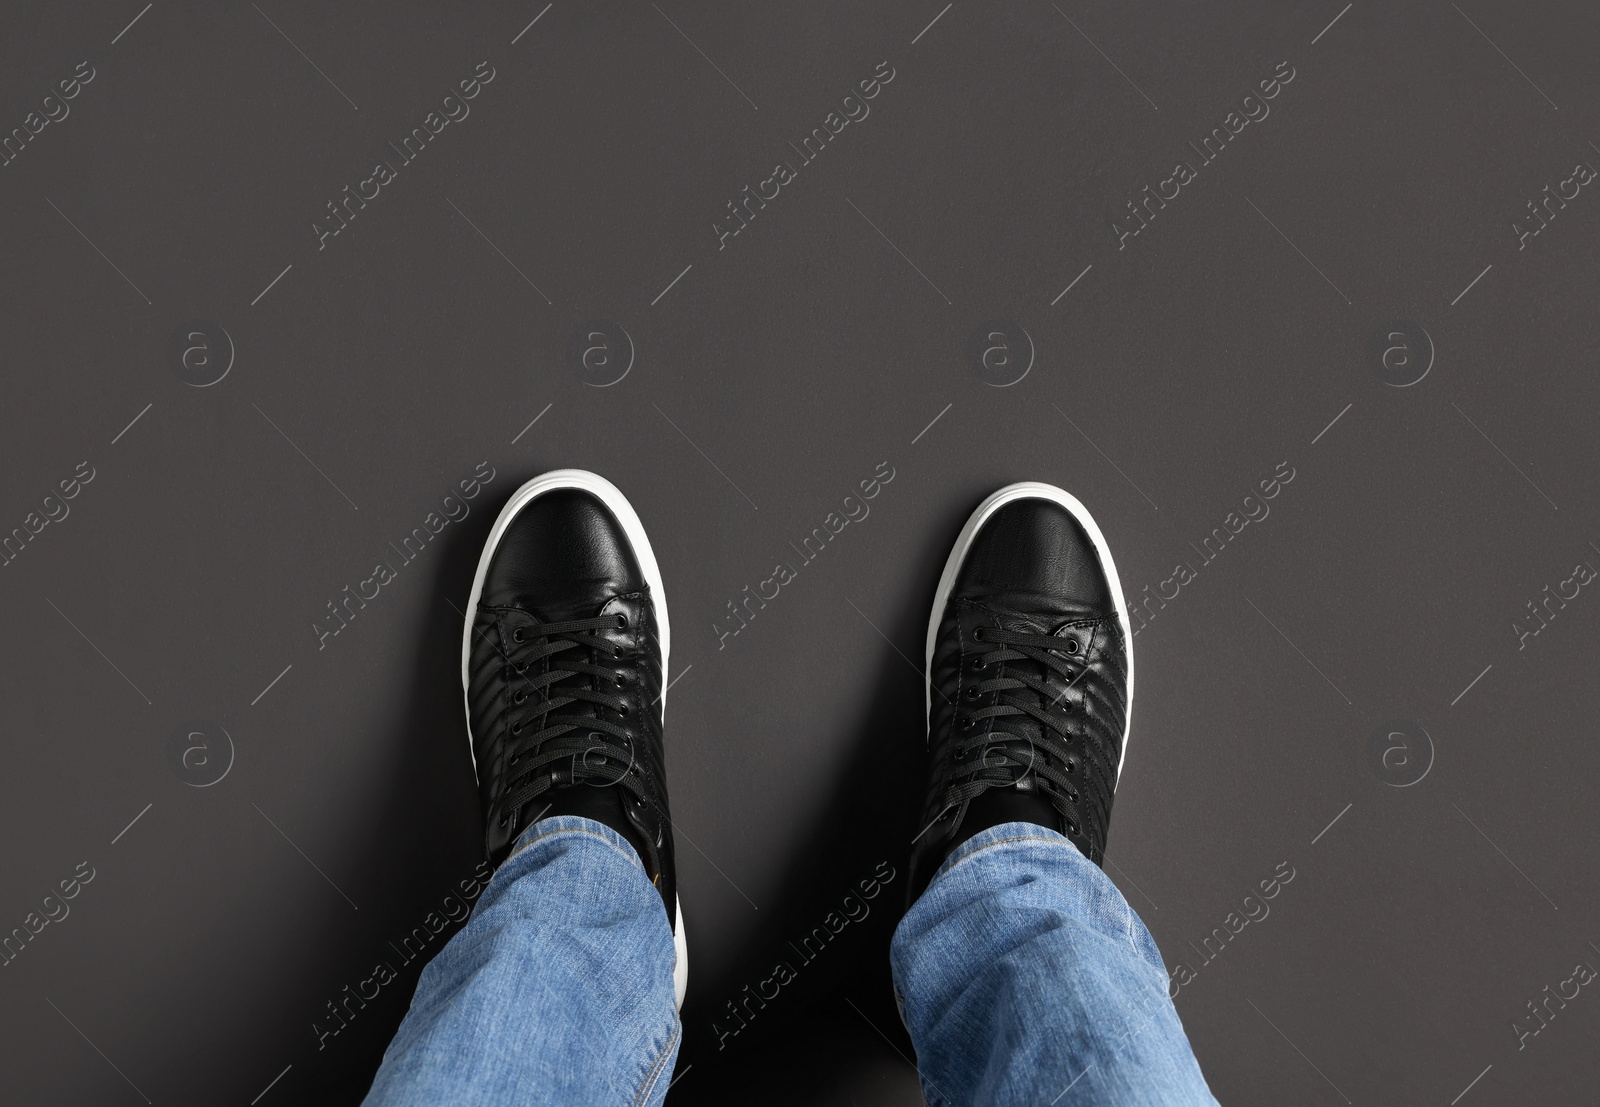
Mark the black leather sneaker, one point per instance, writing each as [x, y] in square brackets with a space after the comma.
[1029, 678]
[562, 663]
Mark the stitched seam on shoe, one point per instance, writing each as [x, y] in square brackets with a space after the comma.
[999, 613]
[589, 833]
[511, 608]
[655, 1070]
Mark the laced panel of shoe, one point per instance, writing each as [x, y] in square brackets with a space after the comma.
[1010, 684]
[575, 729]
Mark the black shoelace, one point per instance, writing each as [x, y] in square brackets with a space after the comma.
[571, 734]
[1000, 754]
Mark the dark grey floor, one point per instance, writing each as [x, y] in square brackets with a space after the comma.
[1350, 306]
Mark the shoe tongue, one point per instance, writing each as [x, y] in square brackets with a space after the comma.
[1052, 623]
[1023, 624]
[1018, 623]
[570, 610]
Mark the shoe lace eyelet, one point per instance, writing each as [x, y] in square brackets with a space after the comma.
[623, 711]
[516, 728]
[520, 696]
[1071, 645]
[516, 635]
[972, 693]
[622, 622]
[616, 653]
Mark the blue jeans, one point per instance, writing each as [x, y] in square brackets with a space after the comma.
[1022, 974]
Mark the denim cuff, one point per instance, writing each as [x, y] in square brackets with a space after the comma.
[1004, 834]
[558, 827]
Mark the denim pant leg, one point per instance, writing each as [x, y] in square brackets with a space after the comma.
[1025, 978]
[557, 992]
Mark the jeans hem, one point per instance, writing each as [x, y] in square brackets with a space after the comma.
[568, 825]
[999, 835]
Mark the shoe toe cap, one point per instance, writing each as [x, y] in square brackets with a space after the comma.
[562, 556]
[1034, 555]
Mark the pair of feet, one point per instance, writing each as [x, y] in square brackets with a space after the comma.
[1029, 676]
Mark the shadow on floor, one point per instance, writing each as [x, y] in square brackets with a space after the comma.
[832, 1031]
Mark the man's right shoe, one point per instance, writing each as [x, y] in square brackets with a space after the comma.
[1029, 678]
[562, 663]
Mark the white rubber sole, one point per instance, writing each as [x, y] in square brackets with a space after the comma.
[610, 495]
[680, 964]
[1029, 490]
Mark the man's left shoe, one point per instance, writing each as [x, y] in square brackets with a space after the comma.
[1029, 678]
[563, 664]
